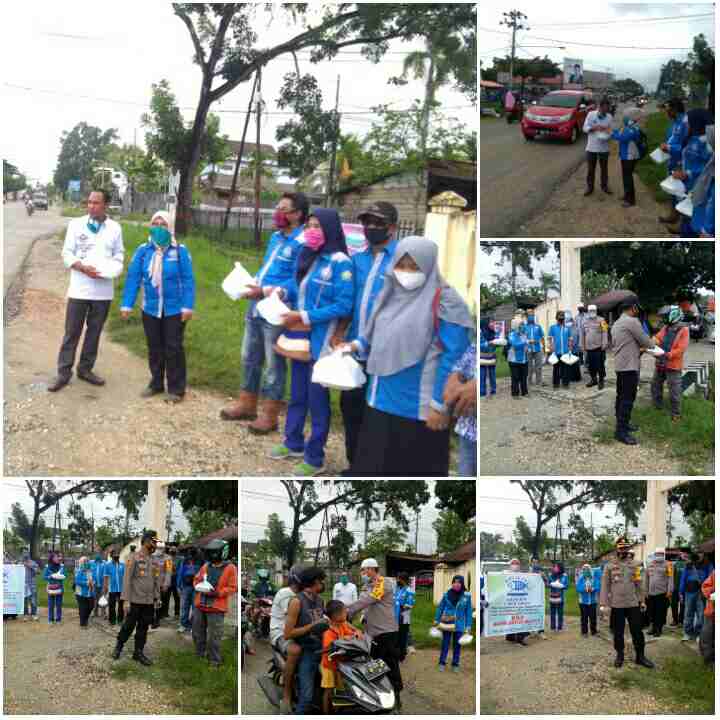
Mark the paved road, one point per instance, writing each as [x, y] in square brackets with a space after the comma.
[19, 232]
[517, 177]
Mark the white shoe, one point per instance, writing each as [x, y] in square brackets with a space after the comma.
[685, 637]
[36, 618]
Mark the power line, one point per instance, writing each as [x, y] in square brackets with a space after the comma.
[676, 18]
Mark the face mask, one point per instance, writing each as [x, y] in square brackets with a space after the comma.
[280, 219]
[94, 226]
[586, 573]
[344, 579]
[560, 320]
[531, 319]
[160, 235]
[457, 587]
[515, 568]
[314, 238]
[410, 280]
[376, 236]
[592, 314]
[116, 559]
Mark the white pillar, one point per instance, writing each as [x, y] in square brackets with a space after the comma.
[571, 272]
[156, 506]
[656, 507]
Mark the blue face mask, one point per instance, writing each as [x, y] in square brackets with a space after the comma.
[160, 235]
[531, 319]
[94, 226]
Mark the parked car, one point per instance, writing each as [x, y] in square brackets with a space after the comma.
[425, 579]
[559, 114]
[40, 201]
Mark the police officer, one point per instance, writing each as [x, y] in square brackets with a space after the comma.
[658, 588]
[163, 560]
[623, 591]
[141, 590]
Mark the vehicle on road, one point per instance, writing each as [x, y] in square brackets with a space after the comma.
[259, 616]
[40, 200]
[426, 578]
[559, 114]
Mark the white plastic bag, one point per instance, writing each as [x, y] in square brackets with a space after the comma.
[499, 341]
[673, 186]
[659, 156]
[553, 359]
[109, 268]
[103, 601]
[685, 206]
[339, 371]
[466, 639]
[557, 585]
[204, 587]
[57, 576]
[235, 284]
[602, 136]
[435, 633]
[273, 309]
[569, 358]
[656, 351]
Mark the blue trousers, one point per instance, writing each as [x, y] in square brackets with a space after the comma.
[487, 371]
[257, 351]
[467, 460]
[693, 622]
[305, 396]
[186, 598]
[556, 615]
[307, 668]
[55, 607]
[456, 646]
[31, 603]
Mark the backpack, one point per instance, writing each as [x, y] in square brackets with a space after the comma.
[642, 144]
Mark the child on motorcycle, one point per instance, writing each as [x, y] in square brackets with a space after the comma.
[339, 629]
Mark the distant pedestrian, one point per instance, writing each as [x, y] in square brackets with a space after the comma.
[84, 590]
[560, 342]
[404, 603]
[113, 576]
[594, 342]
[558, 584]
[345, 590]
[674, 339]
[454, 617]
[32, 569]
[97, 568]
[536, 348]
[628, 138]
[598, 126]
[518, 359]
[488, 360]
[55, 575]
[690, 584]
[185, 582]
[588, 591]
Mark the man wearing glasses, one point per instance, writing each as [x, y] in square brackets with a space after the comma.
[379, 221]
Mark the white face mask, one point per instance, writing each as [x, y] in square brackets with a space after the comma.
[410, 280]
[592, 314]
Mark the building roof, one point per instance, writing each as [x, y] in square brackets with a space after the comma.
[490, 84]
[227, 533]
[249, 149]
[462, 554]
[398, 555]
[610, 300]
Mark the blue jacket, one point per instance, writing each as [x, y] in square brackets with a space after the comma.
[49, 571]
[695, 156]
[692, 573]
[517, 352]
[677, 134]
[703, 217]
[187, 569]
[588, 598]
[534, 334]
[369, 270]
[82, 583]
[463, 611]
[561, 336]
[324, 295]
[116, 573]
[403, 596]
[178, 284]
[556, 593]
[278, 265]
[626, 135]
[98, 572]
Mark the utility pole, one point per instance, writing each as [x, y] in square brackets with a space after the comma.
[241, 151]
[513, 19]
[258, 161]
[417, 528]
[333, 152]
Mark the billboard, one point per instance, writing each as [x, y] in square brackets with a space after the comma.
[515, 603]
[573, 73]
[13, 589]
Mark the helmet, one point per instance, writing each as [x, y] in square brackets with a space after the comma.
[294, 574]
[262, 573]
[674, 315]
[217, 550]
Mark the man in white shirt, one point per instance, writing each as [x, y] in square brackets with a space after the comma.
[94, 252]
[345, 591]
[598, 126]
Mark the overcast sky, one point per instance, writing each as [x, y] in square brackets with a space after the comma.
[501, 501]
[576, 26]
[116, 51]
[260, 498]
[488, 267]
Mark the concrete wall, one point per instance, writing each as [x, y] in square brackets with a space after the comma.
[444, 575]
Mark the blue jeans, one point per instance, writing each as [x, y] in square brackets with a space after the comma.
[556, 615]
[487, 371]
[307, 668]
[446, 638]
[55, 607]
[186, 598]
[693, 621]
[257, 350]
[305, 396]
[467, 461]
[31, 601]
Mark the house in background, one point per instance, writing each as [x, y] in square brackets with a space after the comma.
[461, 561]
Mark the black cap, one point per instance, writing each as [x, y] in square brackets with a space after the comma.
[628, 302]
[384, 210]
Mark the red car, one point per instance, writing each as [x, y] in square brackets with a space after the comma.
[560, 114]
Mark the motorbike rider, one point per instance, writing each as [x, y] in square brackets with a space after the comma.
[263, 587]
[29, 205]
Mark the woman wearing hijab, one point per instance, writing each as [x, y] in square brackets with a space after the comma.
[84, 590]
[419, 329]
[55, 587]
[488, 361]
[322, 293]
[163, 268]
[628, 138]
[558, 584]
[455, 609]
[702, 223]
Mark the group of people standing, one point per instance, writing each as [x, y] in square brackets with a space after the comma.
[386, 305]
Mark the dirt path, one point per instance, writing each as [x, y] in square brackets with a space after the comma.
[427, 692]
[65, 669]
[84, 430]
[568, 674]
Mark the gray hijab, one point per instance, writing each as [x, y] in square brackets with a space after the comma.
[702, 185]
[402, 325]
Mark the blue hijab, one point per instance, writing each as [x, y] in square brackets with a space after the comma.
[486, 331]
[334, 240]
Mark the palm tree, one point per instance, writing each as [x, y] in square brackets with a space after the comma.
[368, 512]
[548, 282]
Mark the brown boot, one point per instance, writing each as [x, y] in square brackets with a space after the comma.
[267, 421]
[672, 218]
[244, 408]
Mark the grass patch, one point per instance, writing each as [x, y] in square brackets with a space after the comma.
[502, 369]
[197, 689]
[652, 174]
[686, 683]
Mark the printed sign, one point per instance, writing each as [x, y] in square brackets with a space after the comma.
[354, 237]
[516, 603]
[573, 73]
[13, 589]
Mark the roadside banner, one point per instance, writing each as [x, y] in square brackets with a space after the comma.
[516, 603]
[13, 589]
[573, 75]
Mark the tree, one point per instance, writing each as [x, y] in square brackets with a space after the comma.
[580, 538]
[490, 544]
[13, 545]
[382, 541]
[604, 543]
[368, 512]
[130, 494]
[698, 495]
[457, 496]
[674, 76]
[398, 499]
[225, 48]
[21, 525]
[145, 172]
[595, 283]
[105, 535]
[627, 87]
[681, 541]
[452, 531]
[342, 542]
[520, 255]
[275, 543]
[702, 67]
[81, 151]
[203, 522]
[702, 526]
[528, 541]
[548, 282]
[219, 496]
[80, 526]
[536, 67]
[13, 179]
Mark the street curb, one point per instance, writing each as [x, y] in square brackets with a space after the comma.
[23, 265]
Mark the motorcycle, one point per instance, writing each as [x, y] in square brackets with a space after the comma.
[697, 328]
[245, 626]
[259, 616]
[366, 687]
[516, 113]
[29, 207]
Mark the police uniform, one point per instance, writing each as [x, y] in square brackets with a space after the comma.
[658, 588]
[623, 591]
[162, 559]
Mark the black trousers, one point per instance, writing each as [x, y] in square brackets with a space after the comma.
[588, 615]
[625, 394]
[166, 353]
[138, 619]
[561, 372]
[79, 314]
[657, 607]
[116, 610]
[352, 406]
[634, 620]
[394, 446]
[85, 607]
[165, 608]
[677, 607]
[596, 364]
[386, 648]
[518, 378]
[628, 168]
[403, 636]
[592, 160]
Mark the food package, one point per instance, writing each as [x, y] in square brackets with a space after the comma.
[466, 639]
[273, 309]
[685, 206]
[569, 358]
[659, 156]
[235, 284]
[553, 359]
[103, 601]
[435, 633]
[673, 186]
[656, 351]
[499, 341]
[338, 371]
[204, 587]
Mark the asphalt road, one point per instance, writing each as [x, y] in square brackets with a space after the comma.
[19, 233]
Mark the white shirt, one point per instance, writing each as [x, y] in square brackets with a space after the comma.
[103, 250]
[593, 119]
[278, 612]
[347, 594]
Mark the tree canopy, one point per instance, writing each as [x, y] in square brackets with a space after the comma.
[220, 496]
[457, 496]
